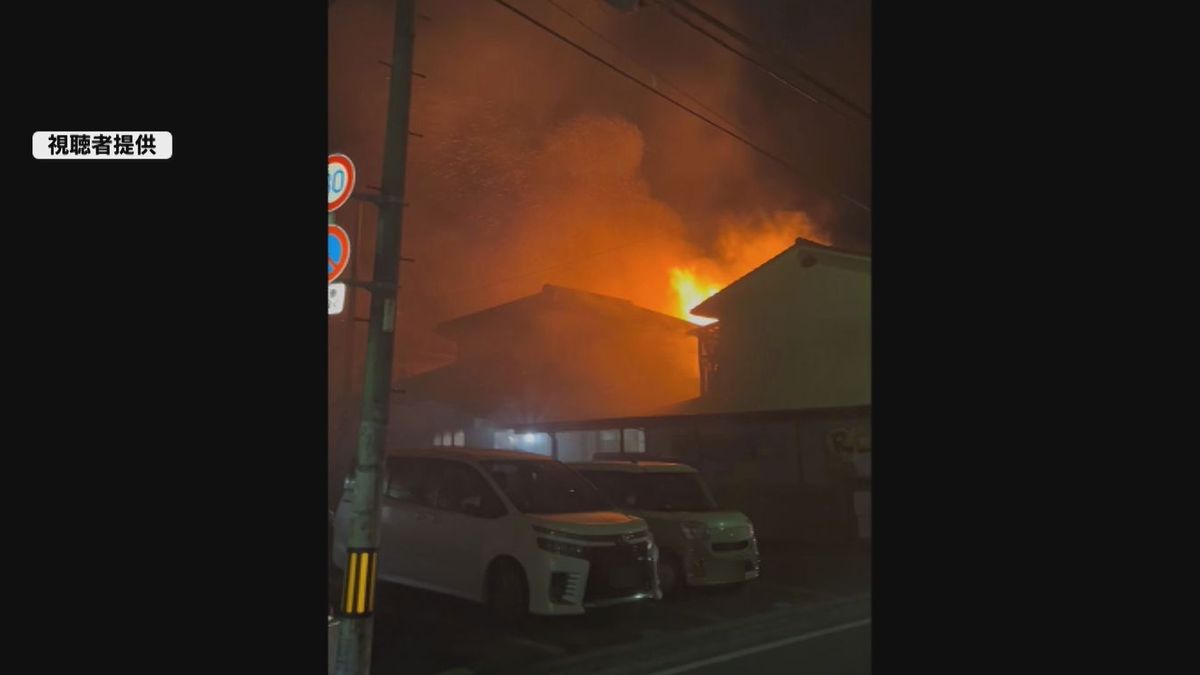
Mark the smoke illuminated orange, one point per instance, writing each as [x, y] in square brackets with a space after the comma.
[690, 291]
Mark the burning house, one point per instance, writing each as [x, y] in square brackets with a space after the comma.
[781, 428]
[555, 355]
[792, 334]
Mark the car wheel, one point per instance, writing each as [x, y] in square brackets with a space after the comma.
[508, 592]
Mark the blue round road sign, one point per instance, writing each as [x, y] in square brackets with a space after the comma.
[339, 252]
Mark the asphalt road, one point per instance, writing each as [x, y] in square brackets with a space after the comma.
[417, 632]
[844, 649]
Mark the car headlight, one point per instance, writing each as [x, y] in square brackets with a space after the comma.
[561, 548]
[693, 529]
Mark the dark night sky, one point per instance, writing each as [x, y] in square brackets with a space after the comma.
[534, 155]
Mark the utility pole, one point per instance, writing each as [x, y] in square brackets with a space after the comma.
[354, 640]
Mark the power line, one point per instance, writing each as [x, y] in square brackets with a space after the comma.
[670, 8]
[763, 45]
[754, 44]
[762, 151]
[648, 69]
[767, 47]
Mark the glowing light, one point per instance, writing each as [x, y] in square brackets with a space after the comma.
[690, 291]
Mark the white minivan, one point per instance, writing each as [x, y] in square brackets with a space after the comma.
[518, 531]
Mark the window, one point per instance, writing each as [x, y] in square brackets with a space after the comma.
[544, 486]
[460, 438]
[504, 439]
[673, 492]
[654, 491]
[609, 440]
[635, 440]
[461, 489]
[406, 482]
[442, 484]
[617, 486]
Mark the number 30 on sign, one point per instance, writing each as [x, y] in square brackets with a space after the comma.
[341, 180]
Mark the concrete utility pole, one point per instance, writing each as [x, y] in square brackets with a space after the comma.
[358, 599]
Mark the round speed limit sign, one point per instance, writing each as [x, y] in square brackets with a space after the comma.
[341, 180]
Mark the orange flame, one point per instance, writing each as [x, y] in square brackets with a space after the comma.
[742, 246]
[690, 291]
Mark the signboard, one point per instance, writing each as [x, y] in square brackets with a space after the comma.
[337, 298]
[339, 252]
[341, 180]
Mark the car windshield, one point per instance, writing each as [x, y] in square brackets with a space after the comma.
[654, 491]
[545, 487]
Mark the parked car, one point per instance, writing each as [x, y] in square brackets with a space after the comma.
[699, 543]
[518, 531]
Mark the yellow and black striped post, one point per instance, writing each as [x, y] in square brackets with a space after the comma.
[358, 591]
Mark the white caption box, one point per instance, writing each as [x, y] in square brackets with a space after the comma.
[102, 145]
